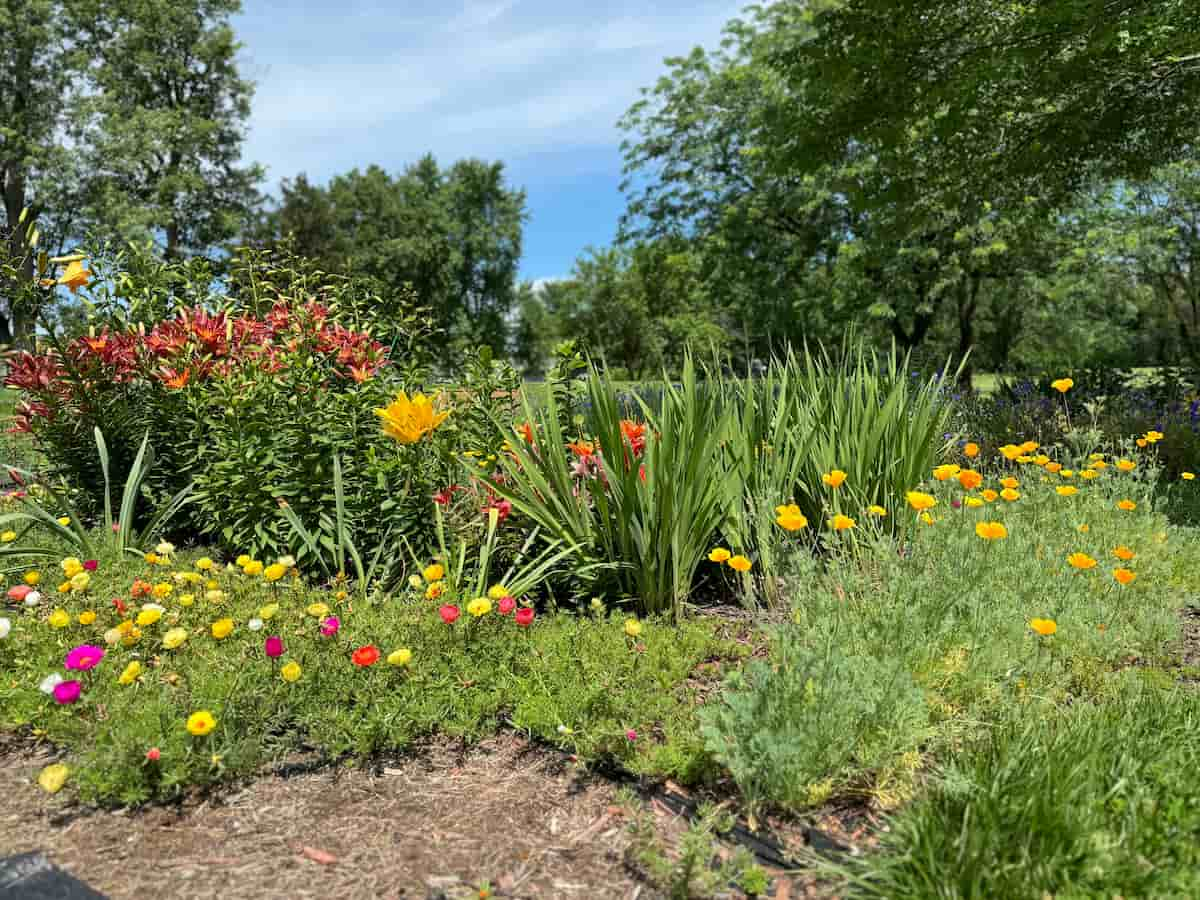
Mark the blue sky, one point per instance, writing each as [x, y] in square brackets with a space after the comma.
[537, 84]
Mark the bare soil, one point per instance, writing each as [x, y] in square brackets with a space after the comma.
[441, 823]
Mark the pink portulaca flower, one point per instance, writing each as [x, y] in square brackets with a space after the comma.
[330, 626]
[67, 692]
[84, 657]
[273, 647]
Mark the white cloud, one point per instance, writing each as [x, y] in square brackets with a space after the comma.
[500, 79]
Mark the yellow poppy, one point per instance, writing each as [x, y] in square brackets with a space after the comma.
[835, 478]
[991, 531]
[1044, 627]
[1081, 561]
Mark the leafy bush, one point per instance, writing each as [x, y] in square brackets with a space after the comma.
[811, 714]
[249, 401]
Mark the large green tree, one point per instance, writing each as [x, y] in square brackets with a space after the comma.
[797, 254]
[453, 234]
[119, 119]
[166, 126]
[1004, 99]
[41, 74]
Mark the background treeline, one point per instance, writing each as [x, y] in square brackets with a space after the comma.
[1017, 181]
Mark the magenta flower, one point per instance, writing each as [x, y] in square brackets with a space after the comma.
[506, 605]
[631, 735]
[91, 565]
[957, 504]
[67, 692]
[330, 626]
[84, 657]
[273, 647]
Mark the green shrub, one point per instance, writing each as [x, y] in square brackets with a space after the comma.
[811, 714]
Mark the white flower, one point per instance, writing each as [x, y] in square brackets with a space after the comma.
[33, 598]
[50, 682]
[158, 606]
[288, 562]
[165, 548]
[255, 624]
[5, 628]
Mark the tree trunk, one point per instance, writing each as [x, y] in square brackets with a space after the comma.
[968, 301]
[21, 319]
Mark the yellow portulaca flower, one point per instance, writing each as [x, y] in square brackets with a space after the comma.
[633, 627]
[274, 572]
[318, 610]
[480, 606]
[201, 723]
[204, 564]
[174, 638]
[498, 591]
[59, 619]
[719, 555]
[434, 573]
[149, 615]
[130, 673]
[80, 581]
[290, 671]
[222, 628]
[87, 617]
[407, 421]
[254, 567]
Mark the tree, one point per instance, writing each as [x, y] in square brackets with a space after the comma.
[1003, 99]
[454, 235]
[40, 74]
[799, 254]
[166, 126]
[637, 307]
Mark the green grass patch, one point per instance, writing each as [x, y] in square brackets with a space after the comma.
[581, 683]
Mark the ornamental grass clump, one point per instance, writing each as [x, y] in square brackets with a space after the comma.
[639, 501]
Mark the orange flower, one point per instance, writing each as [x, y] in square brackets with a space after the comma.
[991, 531]
[989, 495]
[1053, 467]
[841, 523]
[971, 450]
[969, 479]
[1010, 495]
[1010, 483]
[1123, 553]
[919, 501]
[835, 478]
[526, 432]
[739, 563]
[1081, 561]
[1124, 576]
[1062, 385]
[1044, 627]
[946, 472]
[1126, 505]
[1126, 465]
[1010, 451]
[1066, 490]
[1029, 446]
[582, 448]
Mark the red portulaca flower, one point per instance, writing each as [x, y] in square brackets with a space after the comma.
[449, 613]
[524, 617]
[365, 656]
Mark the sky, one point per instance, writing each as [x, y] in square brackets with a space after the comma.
[536, 84]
